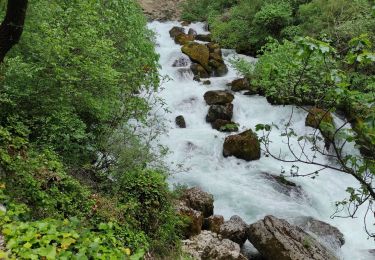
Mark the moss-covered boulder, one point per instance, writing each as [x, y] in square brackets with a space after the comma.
[317, 116]
[199, 71]
[204, 37]
[176, 31]
[218, 97]
[224, 125]
[198, 53]
[182, 38]
[240, 84]
[244, 146]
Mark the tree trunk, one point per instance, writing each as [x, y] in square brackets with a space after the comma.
[12, 26]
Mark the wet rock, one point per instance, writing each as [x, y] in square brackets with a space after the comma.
[244, 146]
[203, 37]
[210, 246]
[192, 32]
[181, 62]
[225, 126]
[198, 53]
[180, 122]
[197, 78]
[184, 73]
[206, 82]
[216, 112]
[284, 186]
[218, 97]
[199, 71]
[234, 229]
[197, 199]
[214, 48]
[185, 23]
[183, 38]
[316, 116]
[330, 235]
[276, 239]
[213, 223]
[240, 84]
[176, 31]
[195, 219]
[218, 68]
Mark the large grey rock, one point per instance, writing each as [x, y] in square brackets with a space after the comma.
[197, 199]
[213, 223]
[276, 239]
[330, 235]
[210, 246]
[215, 112]
[218, 97]
[244, 146]
[234, 229]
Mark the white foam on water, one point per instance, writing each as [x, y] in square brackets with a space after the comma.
[239, 186]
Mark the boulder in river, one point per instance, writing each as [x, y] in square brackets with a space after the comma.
[199, 71]
[218, 68]
[224, 126]
[176, 31]
[244, 146]
[213, 223]
[282, 185]
[203, 37]
[216, 112]
[198, 53]
[195, 219]
[240, 84]
[192, 32]
[183, 38]
[316, 116]
[206, 82]
[197, 199]
[330, 235]
[210, 246]
[180, 122]
[277, 239]
[234, 229]
[218, 97]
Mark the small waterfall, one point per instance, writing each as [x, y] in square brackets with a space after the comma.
[240, 187]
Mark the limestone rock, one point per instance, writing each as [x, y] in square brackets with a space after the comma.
[213, 223]
[210, 246]
[244, 146]
[195, 219]
[197, 199]
[331, 235]
[234, 229]
[216, 112]
[218, 97]
[276, 239]
[180, 122]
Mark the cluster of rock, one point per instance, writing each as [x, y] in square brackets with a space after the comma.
[207, 58]
[209, 236]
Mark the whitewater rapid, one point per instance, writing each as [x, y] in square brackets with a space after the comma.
[239, 187]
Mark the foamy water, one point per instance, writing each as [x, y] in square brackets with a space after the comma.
[239, 187]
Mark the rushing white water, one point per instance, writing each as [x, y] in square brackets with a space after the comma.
[239, 187]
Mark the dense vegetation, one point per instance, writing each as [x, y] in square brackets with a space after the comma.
[311, 53]
[75, 171]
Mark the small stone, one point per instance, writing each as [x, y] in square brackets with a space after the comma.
[180, 122]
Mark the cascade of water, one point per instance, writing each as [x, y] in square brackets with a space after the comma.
[239, 187]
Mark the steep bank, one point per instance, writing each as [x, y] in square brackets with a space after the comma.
[161, 10]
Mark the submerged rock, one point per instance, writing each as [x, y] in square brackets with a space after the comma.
[210, 246]
[206, 82]
[282, 185]
[181, 62]
[329, 234]
[218, 97]
[180, 122]
[244, 146]
[216, 112]
[276, 239]
[234, 229]
[197, 199]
